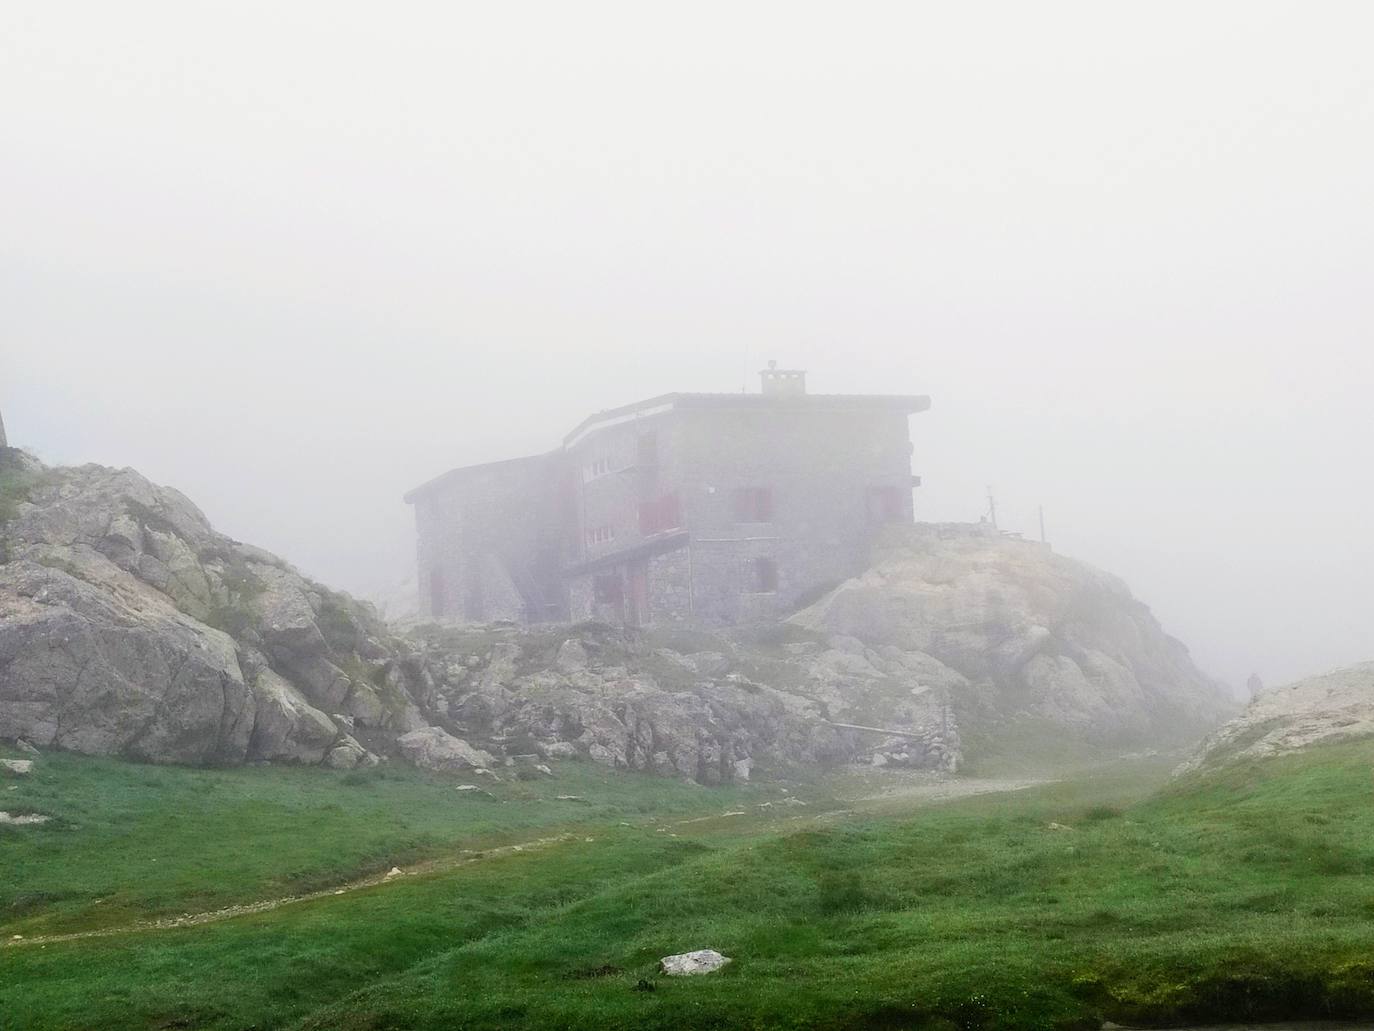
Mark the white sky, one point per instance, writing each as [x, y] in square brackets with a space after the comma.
[295, 258]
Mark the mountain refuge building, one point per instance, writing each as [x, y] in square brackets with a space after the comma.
[683, 508]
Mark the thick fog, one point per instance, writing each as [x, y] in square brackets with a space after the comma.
[295, 259]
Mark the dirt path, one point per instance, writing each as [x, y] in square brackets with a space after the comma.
[465, 858]
[923, 792]
[928, 790]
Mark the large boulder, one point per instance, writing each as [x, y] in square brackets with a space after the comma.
[129, 626]
[1006, 628]
[434, 748]
[92, 670]
[1337, 706]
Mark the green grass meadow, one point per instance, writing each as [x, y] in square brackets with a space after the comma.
[1115, 894]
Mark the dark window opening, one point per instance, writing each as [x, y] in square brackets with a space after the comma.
[754, 504]
[436, 592]
[765, 576]
[659, 515]
[606, 589]
[885, 505]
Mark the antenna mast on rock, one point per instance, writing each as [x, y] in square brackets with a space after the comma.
[3, 442]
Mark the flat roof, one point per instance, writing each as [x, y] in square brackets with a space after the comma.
[909, 403]
[464, 470]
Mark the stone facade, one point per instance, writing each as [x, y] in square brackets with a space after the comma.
[486, 544]
[713, 508]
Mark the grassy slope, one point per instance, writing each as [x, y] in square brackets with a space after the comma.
[131, 841]
[1247, 894]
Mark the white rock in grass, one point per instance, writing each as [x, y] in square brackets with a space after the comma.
[22, 819]
[17, 767]
[703, 961]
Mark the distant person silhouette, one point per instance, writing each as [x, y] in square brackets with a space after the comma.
[1254, 685]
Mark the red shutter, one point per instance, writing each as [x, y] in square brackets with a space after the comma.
[663, 514]
[754, 505]
[764, 505]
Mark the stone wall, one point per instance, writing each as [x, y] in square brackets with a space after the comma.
[819, 467]
[477, 531]
[670, 586]
[501, 598]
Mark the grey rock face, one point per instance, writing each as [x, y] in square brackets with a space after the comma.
[1003, 626]
[1337, 706]
[129, 626]
[433, 748]
[90, 670]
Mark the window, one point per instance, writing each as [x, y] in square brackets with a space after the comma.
[598, 467]
[754, 505]
[606, 589]
[885, 505]
[570, 516]
[600, 535]
[661, 514]
[764, 572]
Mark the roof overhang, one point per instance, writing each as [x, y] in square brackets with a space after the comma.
[653, 546]
[909, 404]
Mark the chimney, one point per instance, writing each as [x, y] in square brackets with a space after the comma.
[783, 382]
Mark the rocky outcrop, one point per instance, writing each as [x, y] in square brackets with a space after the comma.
[434, 748]
[129, 626]
[620, 698]
[1008, 630]
[1337, 706]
